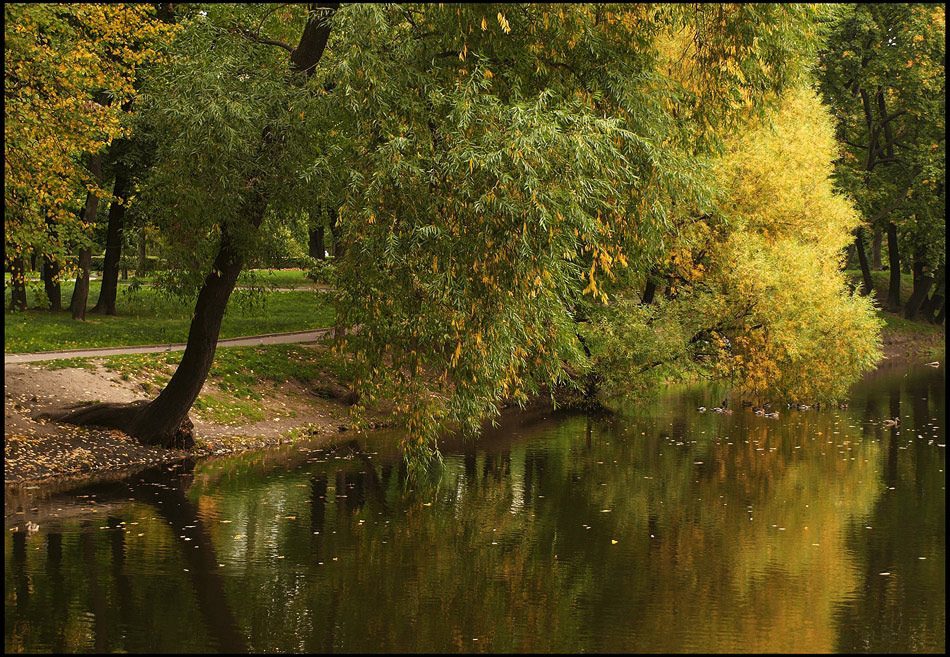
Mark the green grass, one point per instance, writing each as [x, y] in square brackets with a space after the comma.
[881, 280]
[242, 375]
[147, 317]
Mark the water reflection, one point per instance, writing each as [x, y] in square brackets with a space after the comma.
[666, 531]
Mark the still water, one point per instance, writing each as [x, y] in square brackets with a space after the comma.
[667, 530]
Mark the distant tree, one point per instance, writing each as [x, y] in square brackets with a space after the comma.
[882, 72]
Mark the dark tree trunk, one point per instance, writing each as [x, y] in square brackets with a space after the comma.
[81, 290]
[317, 247]
[941, 314]
[894, 262]
[164, 421]
[876, 239]
[848, 256]
[923, 281]
[648, 292]
[33, 261]
[110, 267]
[863, 259]
[54, 292]
[142, 263]
[17, 284]
[932, 306]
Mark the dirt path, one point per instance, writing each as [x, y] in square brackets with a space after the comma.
[248, 341]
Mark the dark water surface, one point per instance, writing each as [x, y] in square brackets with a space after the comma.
[664, 531]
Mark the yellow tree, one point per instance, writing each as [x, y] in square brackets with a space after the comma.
[796, 329]
[68, 71]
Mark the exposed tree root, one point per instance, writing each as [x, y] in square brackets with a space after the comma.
[126, 418]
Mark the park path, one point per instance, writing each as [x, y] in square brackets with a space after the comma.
[312, 335]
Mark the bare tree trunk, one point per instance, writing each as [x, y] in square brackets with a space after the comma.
[863, 259]
[81, 290]
[110, 267]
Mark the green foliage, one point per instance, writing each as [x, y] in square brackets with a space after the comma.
[882, 70]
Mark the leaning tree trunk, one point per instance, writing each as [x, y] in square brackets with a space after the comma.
[110, 267]
[894, 262]
[81, 290]
[863, 259]
[941, 314]
[164, 421]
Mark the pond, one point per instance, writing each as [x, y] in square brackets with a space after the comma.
[664, 530]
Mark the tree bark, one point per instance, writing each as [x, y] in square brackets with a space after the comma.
[164, 421]
[81, 290]
[941, 314]
[648, 293]
[923, 281]
[54, 291]
[110, 267]
[932, 306]
[894, 262]
[863, 259]
[876, 239]
[317, 247]
[17, 284]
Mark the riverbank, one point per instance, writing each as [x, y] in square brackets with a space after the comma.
[273, 413]
[256, 397]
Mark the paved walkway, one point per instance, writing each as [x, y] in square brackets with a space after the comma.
[270, 338]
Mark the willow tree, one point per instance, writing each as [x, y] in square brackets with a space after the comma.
[490, 167]
[506, 162]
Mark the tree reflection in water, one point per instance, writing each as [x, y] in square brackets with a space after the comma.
[671, 531]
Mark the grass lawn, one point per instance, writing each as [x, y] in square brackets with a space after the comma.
[147, 317]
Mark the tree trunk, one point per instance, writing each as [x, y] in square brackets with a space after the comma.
[17, 284]
[164, 421]
[942, 314]
[317, 247]
[54, 292]
[110, 267]
[894, 262]
[81, 290]
[932, 306]
[876, 239]
[863, 259]
[142, 263]
[848, 256]
[648, 293]
[923, 281]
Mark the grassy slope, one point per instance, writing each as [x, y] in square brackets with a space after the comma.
[919, 338]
